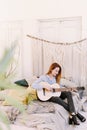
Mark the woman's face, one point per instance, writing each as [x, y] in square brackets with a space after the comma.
[55, 71]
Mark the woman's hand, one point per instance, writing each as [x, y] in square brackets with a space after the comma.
[48, 88]
[74, 90]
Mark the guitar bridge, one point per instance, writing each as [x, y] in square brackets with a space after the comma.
[53, 90]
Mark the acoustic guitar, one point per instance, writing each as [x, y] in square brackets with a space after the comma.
[44, 94]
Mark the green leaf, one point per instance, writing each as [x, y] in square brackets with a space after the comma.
[4, 119]
[5, 83]
[7, 58]
[14, 102]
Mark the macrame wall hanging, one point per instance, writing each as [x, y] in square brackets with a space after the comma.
[71, 56]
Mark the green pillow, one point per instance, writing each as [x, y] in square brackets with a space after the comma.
[22, 82]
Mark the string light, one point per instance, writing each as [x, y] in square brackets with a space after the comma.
[58, 43]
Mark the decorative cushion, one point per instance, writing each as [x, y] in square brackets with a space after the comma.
[67, 83]
[31, 94]
[19, 95]
[24, 95]
[22, 82]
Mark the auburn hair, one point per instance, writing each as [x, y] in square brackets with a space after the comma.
[52, 67]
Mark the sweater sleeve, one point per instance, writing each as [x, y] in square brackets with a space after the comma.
[36, 84]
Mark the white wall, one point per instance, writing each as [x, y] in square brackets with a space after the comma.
[29, 11]
[29, 27]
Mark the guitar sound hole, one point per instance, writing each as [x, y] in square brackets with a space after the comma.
[44, 91]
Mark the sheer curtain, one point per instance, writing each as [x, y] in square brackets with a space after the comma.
[72, 57]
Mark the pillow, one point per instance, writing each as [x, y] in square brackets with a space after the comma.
[16, 94]
[22, 82]
[24, 95]
[31, 94]
[67, 83]
[31, 80]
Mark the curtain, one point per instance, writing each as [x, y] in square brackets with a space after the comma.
[71, 57]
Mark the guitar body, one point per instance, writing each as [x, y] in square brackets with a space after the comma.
[45, 95]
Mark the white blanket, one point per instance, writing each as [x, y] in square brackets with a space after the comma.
[45, 116]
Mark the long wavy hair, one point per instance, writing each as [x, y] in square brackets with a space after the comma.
[52, 67]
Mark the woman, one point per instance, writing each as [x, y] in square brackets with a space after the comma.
[51, 77]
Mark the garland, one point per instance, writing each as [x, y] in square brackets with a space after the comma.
[58, 43]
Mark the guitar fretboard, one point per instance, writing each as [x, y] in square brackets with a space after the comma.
[67, 89]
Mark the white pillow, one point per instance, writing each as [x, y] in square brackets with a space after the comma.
[66, 83]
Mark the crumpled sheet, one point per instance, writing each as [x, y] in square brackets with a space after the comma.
[44, 116]
[11, 111]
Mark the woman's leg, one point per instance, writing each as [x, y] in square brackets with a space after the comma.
[59, 101]
[73, 117]
[69, 106]
[68, 95]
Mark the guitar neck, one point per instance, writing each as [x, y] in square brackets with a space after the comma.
[67, 89]
[62, 89]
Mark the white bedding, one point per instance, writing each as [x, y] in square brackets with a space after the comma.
[43, 116]
[47, 116]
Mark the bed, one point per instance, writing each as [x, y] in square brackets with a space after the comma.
[45, 115]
